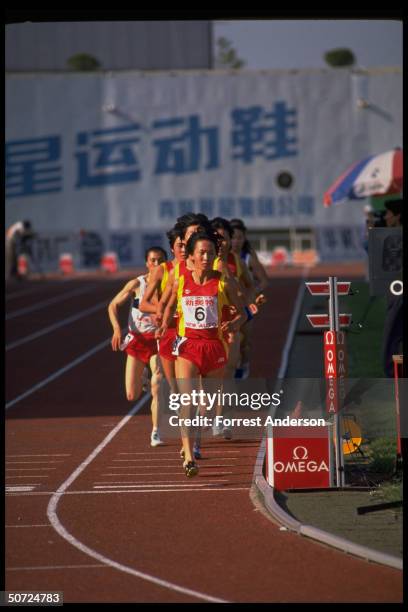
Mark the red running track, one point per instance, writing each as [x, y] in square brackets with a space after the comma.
[92, 510]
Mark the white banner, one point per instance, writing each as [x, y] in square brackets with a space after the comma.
[132, 151]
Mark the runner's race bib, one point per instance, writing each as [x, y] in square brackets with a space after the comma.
[200, 312]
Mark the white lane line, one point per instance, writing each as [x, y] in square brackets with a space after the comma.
[153, 459]
[151, 482]
[133, 491]
[30, 526]
[292, 327]
[149, 459]
[177, 451]
[62, 531]
[49, 302]
[20, 477]
[19, 488]
[58, 373]
[52, 567]
[217, 465]
[37, 484]
[160, 467]
[144, 486]
[7, 456]
[17, 294]
[51, 328]
[158, 473]
[31, 462]
[25, 469]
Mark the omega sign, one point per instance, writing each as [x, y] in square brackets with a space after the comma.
[298, 458]
[335, 366]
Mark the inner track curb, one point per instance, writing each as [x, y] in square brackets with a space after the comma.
[278, 514]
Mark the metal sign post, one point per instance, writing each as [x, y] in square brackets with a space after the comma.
[334, 352]
[335, 327]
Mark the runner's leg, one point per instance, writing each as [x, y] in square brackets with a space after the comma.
[187, 375]
[155, 383]
[133, 378]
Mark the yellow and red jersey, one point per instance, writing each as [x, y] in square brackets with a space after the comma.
[234, 265]
[200, 307]
[167, 268]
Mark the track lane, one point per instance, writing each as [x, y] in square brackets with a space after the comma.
[17, 328]
[59, 419]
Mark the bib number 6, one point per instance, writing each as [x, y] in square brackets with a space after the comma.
[199, 313]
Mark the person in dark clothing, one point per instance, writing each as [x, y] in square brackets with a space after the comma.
[393, 327]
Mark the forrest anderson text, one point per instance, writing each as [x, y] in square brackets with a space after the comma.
[205, 421]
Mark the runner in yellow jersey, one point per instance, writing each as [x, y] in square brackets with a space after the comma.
[156, 288]
[199, 296]
[241, 247]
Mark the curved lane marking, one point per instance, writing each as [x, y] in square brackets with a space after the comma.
[64, 533]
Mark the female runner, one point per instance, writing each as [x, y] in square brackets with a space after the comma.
[139, 344]
[199, 296]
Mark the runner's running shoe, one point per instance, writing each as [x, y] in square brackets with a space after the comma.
[197, 451]
[191, 469]
[217, 430]
[155, 438]
[227, 433]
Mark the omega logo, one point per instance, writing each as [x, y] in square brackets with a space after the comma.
[296, 454]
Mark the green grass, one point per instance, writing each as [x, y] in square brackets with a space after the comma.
[382, 453]
[390, 491]
[364, 345]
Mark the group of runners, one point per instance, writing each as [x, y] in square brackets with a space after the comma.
[190, 318]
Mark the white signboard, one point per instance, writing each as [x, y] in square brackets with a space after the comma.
[132, 151]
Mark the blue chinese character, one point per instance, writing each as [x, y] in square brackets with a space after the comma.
[106, 158]
[266, 207]
[31, 168]
[206, 206]
[258, 133]
[306, 205]
[247, 207]
[182, 153]
[167, 209]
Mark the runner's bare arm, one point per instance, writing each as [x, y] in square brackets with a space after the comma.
[258, 271]
[161, 306]
[248, 285]
[120, 298]
[148, 303]
[235, 299]
[244, 285]
[169, 311]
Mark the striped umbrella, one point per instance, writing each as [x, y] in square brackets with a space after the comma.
[375, 175]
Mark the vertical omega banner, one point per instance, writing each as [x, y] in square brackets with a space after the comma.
[335, 368]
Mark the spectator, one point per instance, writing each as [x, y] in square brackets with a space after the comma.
[393, 327]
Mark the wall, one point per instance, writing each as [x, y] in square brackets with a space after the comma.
[132, 151]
